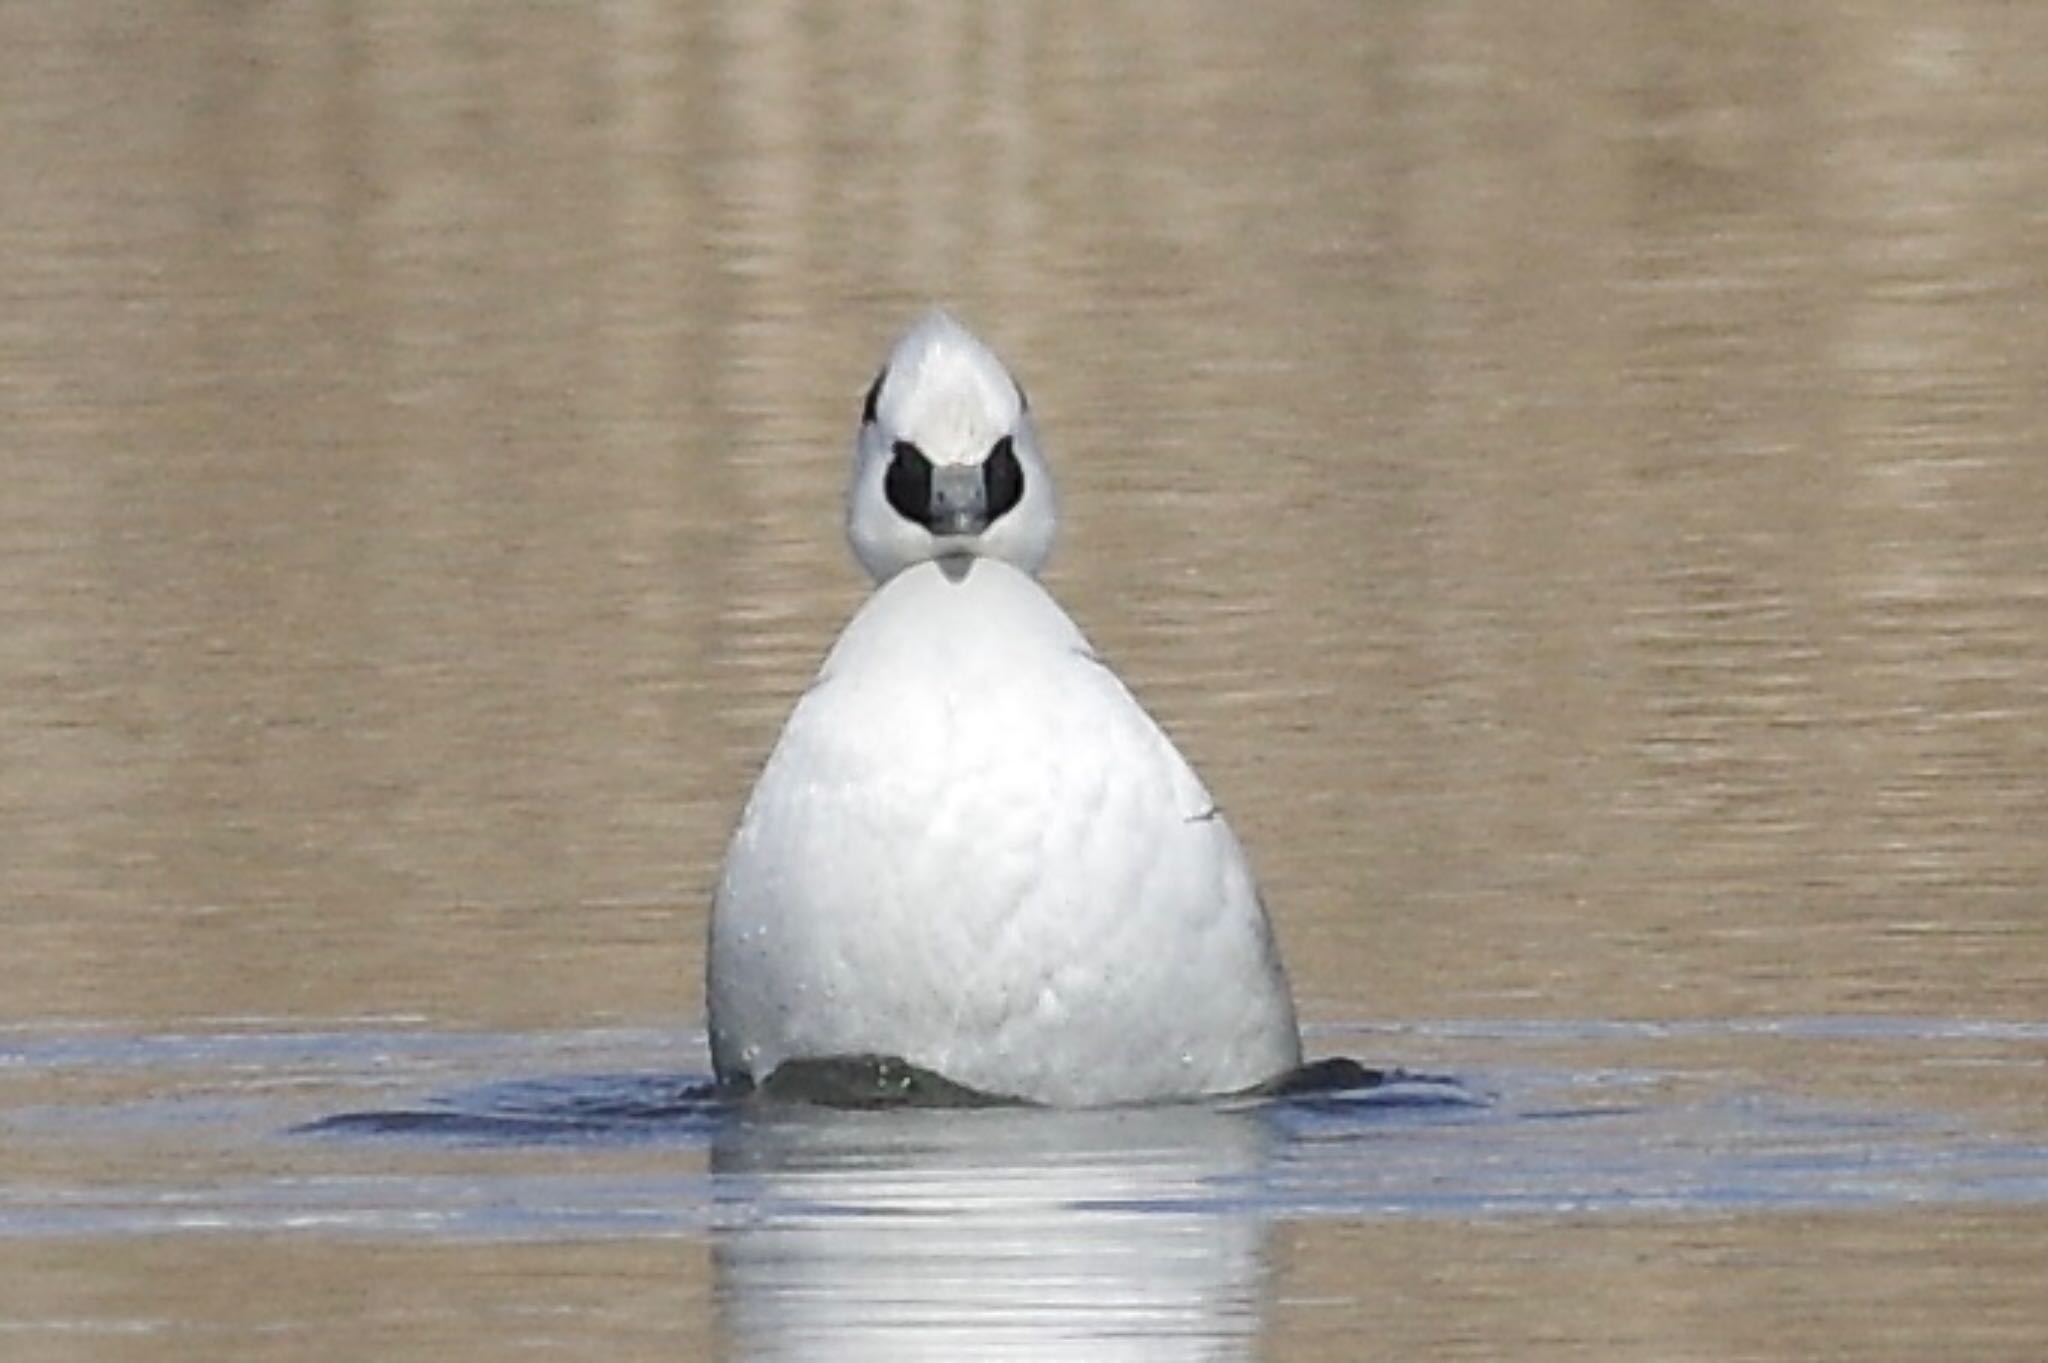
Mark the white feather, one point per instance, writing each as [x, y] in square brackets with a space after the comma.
[971, 848]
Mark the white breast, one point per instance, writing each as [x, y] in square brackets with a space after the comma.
[971, 848]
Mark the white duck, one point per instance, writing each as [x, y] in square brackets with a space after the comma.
[971, 849]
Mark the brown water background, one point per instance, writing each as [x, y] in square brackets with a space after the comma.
[1574, 478]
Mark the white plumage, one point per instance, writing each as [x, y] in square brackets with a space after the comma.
[971, 848]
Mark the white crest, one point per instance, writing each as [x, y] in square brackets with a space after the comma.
[946, 464]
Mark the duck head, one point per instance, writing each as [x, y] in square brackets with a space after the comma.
[946, 466]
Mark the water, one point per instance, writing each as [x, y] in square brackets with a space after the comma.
[1572, 480]
[1619, 1119]
[987, 1233]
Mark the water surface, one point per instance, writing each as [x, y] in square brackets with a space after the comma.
[990, 1233]
[1572, 479]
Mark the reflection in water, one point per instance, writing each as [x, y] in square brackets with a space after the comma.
[993, 1234]
[807, 1233]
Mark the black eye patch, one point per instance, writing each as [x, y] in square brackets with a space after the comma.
[908, 483]
[1003, 476]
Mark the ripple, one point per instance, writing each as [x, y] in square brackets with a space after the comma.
[387, 1132]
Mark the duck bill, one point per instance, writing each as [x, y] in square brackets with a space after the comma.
[959, 504]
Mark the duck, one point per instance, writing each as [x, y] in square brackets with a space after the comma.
[971, 851]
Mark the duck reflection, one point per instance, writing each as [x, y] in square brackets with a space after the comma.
[1008, 1233]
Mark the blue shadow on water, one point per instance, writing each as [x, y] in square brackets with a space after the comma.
[606, 1109]
[555, 1110]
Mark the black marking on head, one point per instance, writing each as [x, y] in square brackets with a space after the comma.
[908, 483]
[1003, 477]
[867, 407]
